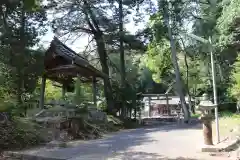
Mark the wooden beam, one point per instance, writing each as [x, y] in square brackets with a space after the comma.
[42, 92]
[155, 95]
[69, 66]
[72, 70]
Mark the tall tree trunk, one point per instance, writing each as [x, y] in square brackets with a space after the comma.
[93, 24]
[122, 59]
[103, 60]
[191, 107]
[176, 68]
[20, 50]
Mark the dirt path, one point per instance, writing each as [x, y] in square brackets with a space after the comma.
[166, 142]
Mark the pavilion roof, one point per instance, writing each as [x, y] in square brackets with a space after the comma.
[62, 64]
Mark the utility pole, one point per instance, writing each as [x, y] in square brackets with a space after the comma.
[209, 42]
[214, 90]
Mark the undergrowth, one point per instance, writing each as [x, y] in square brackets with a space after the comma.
[227, 122]
[18, 134]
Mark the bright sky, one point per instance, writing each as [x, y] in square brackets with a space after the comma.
[80, 44]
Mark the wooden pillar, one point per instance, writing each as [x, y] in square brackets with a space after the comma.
[42, 92]
[94, 90]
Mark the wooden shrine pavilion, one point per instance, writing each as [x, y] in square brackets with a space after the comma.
[62, 65]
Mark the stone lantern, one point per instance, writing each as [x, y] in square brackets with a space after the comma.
[205, 107]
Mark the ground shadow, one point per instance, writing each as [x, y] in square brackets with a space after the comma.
[196, 125]
[144, 156]
[118, 142]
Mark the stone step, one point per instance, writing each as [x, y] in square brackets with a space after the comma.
[225, 146]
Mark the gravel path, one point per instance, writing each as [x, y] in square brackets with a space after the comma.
[165, 142]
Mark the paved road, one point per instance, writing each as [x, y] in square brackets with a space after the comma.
[165, 142]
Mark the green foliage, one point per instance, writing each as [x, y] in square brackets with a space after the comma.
[205, 22]
[78, 92]
[218, 19]
[51, 92]
[83, 93]
[199, 77]
[230, 115]
[234, 90]
[19, 32]
[31, 4]
[157, 27]
[228, 23]
[158, 60]
[147, 55]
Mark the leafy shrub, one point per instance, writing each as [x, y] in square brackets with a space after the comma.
[130, 123]
[231, 107]
[18, 134]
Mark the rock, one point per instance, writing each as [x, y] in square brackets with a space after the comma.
[3, 117]
[59, 144]
[237, 129]
[64, 136]
[97, 115]
[235, 133]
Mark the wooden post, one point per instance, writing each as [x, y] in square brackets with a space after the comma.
[168, 108]
[149, 106]
[94, 90]
[42, 92]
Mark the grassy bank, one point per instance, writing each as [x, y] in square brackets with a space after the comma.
[227, 122]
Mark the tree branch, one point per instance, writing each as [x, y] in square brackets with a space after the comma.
[196, 17]
[89, 41]
[202, 2]
[114, 65]
[92, 16]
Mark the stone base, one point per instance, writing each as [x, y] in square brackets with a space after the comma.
[210, 148]
[225, 146]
